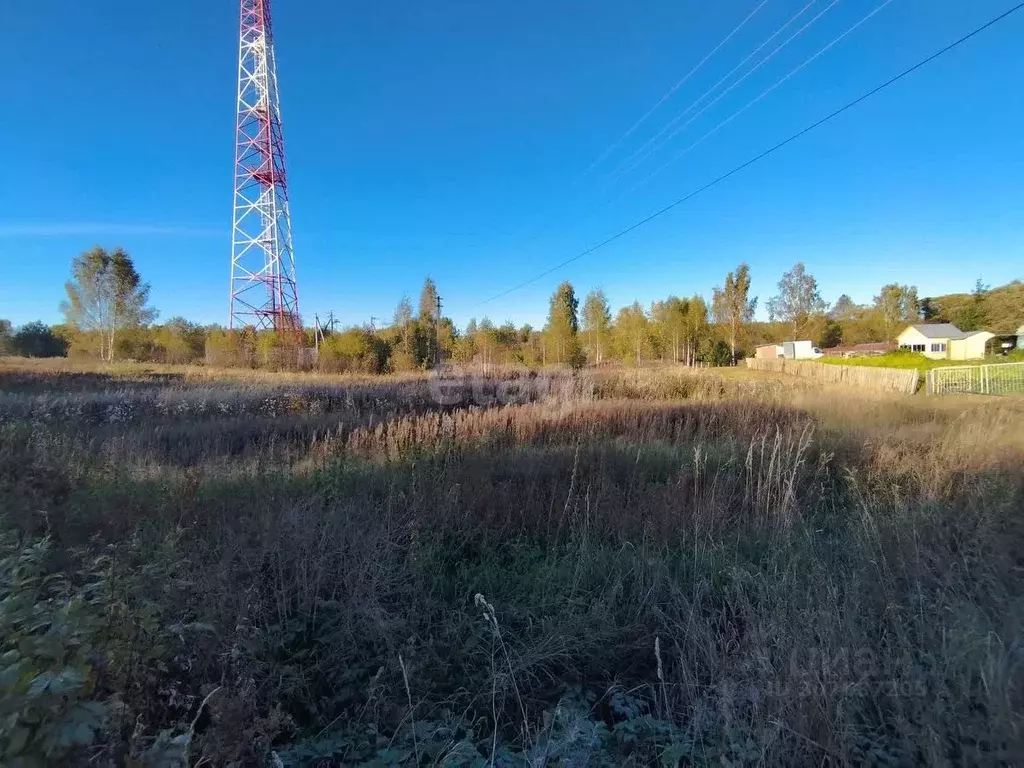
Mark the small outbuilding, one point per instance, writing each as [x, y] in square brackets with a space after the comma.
[768, 352]
[970, 347]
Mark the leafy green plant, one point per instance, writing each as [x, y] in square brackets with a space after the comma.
[427, 742]
[48, 664]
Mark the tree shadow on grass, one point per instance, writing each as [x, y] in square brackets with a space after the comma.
[316, 580]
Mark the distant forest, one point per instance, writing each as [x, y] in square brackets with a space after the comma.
[108, 317]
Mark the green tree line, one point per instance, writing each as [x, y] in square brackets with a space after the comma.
[108, 317]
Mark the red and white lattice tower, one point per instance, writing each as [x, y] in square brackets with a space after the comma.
[263, 288]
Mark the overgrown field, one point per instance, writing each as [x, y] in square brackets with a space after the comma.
[622, 568]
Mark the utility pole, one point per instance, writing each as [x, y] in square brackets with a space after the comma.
[320, 330]
[437, 334]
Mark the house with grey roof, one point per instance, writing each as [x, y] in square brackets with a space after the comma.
[944, 341]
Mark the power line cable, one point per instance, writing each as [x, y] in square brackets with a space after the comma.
[633, 165]
[629, 165]
[754, 101]
[768, 152]
[615, 172]
[615, 145]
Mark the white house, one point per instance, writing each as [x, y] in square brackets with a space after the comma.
[944, 341]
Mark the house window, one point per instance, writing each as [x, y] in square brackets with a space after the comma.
[938, 347]
[913, 347]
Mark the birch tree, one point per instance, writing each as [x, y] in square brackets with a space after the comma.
[632, 337]
[732, 306]
[597, 322]
[105, 295]
[798, 301]
[897, 305]
[670, 318]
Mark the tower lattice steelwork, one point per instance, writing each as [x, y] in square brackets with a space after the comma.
[264, 293]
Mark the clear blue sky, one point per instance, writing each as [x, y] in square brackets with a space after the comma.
[451, 138]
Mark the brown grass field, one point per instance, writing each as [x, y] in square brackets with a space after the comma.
[654, 567]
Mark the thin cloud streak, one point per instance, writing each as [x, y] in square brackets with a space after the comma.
[80, 229]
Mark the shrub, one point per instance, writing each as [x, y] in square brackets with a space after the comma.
[50, 663]
[38, 340]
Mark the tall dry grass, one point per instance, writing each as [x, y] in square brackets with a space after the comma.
[706, 568]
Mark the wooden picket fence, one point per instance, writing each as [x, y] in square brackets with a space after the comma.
[879, 379]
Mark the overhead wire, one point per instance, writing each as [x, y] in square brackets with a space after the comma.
[636, 163]
[766, 153]
[754, 101]
[614, 174]
[680, 115]
[668, 94]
